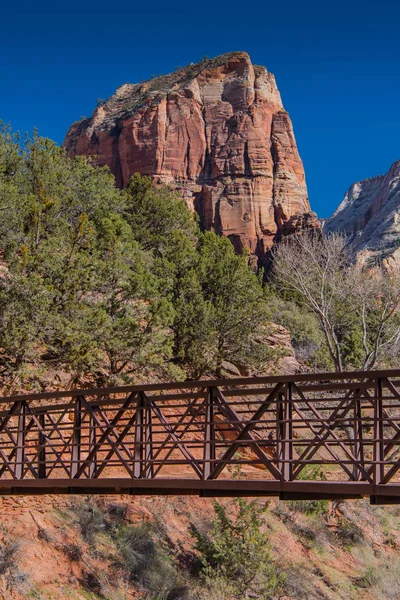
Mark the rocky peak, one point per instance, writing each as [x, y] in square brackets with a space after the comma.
[370, 216]
[216, 131]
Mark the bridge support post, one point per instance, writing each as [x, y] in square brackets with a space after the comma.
[148, 454]
[378, 453]
[92, 446]
[287, 448]
[20, 453]
[209, 436]
[284, 433]
[358, 437]
[42, 448]
[138, 447]
[143, 446]
[76, 438]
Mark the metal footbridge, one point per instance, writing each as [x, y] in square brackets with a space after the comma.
[319, 436]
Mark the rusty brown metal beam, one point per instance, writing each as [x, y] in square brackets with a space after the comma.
[273, 380]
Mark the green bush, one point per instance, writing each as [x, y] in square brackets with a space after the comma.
[368, 578]
[236, 550]
[349, 534]
[310, 507]
[90, 519]
[73, 552]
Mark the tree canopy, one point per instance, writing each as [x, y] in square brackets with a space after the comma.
[114, 285]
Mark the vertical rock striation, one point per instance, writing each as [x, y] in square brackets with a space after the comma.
[217, 132]
[370, 216]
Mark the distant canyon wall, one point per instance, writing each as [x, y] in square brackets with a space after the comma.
[369, 216]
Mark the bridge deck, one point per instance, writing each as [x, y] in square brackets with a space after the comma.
[306, 436]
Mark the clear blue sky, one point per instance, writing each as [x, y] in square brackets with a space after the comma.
[336, 64]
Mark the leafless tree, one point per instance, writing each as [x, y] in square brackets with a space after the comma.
[375, 295]
[319, 272]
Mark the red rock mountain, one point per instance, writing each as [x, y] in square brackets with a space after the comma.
[216, 131]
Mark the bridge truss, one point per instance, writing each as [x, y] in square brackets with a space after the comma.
[297, 437]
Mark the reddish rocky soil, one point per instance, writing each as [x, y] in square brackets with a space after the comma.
[310, 549]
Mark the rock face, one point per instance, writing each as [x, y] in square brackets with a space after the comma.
[280, 339]
[301, 222]
[216, 131]
[370, 216]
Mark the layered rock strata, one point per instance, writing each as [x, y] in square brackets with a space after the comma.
[217, 132]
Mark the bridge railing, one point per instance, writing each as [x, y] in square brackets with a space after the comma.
[320, 435]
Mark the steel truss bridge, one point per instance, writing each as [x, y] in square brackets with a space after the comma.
[320, 436]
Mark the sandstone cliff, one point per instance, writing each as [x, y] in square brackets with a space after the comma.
[370, 216]
[216, 131]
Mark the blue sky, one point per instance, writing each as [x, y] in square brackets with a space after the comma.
[336, 64]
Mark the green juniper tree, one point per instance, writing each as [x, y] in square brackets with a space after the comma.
[77, 291]
[221, 311]
[155, 214]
